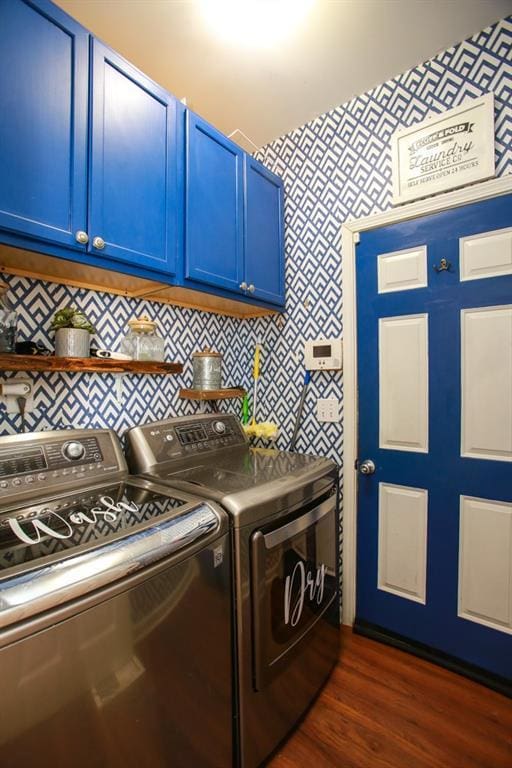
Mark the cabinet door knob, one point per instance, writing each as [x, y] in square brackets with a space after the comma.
[82, 237]
[99, 243]
[243, 286]
[251, 288]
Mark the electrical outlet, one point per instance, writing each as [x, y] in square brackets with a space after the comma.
[328, 409]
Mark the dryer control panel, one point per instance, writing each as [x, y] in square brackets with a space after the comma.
[182, 437]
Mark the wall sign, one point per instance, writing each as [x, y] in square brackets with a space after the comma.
[445, 151]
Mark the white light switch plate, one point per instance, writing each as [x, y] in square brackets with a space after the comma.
[328, 409]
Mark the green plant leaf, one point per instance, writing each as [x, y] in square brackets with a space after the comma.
[69, 317]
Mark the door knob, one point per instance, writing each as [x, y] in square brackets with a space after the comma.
[243, 286]
[367, 467]
[99, 243]
[251, 288]
[82, 237]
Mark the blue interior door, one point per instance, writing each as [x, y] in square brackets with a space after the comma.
[214, 207]
[434, 560]
[263, 232]
[135, 200]
[43, 122]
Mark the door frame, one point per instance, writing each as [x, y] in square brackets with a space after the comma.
[350, 235]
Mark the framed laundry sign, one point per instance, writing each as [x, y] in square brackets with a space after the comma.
[446, 151]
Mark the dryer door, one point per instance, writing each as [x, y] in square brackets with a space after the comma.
[294, 582]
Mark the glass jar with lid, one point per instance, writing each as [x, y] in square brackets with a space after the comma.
[8, 319]
[142, 342]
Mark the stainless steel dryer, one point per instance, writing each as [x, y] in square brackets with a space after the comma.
[115, 612]
[284, 514]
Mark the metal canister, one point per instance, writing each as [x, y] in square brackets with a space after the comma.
[207, 367]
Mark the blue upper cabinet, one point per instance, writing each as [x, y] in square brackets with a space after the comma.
[234, 218]
[214, 207]
[134, 186]
[263, 233]
[43, 122]
[100, 165]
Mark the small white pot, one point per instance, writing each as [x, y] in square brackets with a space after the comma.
[72, 342]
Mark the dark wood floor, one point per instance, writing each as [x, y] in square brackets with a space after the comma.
[383, 708]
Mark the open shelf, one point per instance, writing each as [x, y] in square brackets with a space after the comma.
[85, 365]
[211, 394]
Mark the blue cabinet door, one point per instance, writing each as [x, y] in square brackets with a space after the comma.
[214, 207]
[43, 122]
[134, 193]
[263, 232]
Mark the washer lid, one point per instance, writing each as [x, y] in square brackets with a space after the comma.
[59, 526]
[54, 552]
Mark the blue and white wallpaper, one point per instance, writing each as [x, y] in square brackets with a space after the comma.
[65, 400]
[336, 167]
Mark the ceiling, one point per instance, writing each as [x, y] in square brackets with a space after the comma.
[340, 49]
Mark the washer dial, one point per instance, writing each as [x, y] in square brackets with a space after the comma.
[73, 451]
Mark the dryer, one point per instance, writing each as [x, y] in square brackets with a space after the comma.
[284, 514]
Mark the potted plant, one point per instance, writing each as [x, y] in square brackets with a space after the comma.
[72, 333]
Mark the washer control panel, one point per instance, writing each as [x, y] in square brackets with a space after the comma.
[183, 437]
[43, 461]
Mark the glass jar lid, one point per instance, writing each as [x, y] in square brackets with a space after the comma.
[142, 324]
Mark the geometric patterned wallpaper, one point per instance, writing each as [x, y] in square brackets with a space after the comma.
[65, 400]
[336, 167]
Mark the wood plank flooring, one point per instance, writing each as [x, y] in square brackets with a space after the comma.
[383, 708]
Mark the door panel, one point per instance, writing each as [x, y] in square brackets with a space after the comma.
[134, 192]
[403, 541]
[214, 207]
[264, 248]
[486, 339]
[43, 141]
[403, 375]
[435, 415]
[402, 270]
[486, 255]
[485, 584]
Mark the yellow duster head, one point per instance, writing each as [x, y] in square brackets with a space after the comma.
[266, 429]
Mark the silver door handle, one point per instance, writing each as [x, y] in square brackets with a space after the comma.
[251, 288]
[99, 243]
[300, 524]
[82, 237]
[367, 467]
[243, 286]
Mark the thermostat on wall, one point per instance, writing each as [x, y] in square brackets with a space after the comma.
[323, 355]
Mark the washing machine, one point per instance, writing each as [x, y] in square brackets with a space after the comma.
[115, 612]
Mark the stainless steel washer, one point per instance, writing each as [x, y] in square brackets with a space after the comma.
[284, 514]
[115, 612]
